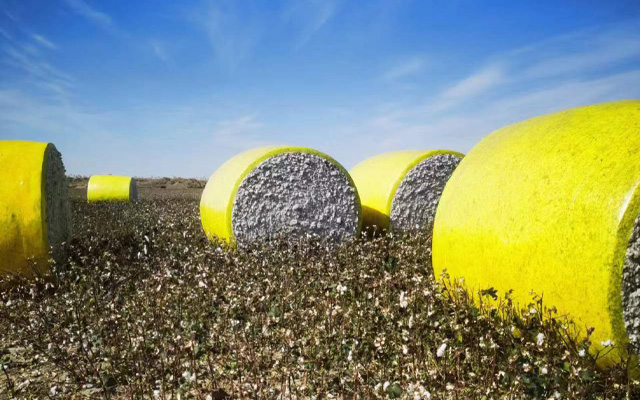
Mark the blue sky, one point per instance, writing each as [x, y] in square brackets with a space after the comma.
[151, 88]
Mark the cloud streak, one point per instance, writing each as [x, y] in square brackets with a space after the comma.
[91, 14]
[160, 51]
[310, 16]
[475, 84]
[405, 69]
[601, 50]
[232, 31]
[242, 132]
[44, 42]
[37, 71]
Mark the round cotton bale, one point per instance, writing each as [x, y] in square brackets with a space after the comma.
[400, 190]
[280, 192]
[112, 188]
[35, 216]
[549, 205]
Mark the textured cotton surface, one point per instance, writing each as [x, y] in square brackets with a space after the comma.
[631, 287]
[56, 195]
[294, 195]
[414, 204]
[133, 190]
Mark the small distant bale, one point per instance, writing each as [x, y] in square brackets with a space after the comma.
[400, 190]
[280, 193]
[112, 188]
[35, 216]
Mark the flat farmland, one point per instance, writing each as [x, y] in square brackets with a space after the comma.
[144, 306]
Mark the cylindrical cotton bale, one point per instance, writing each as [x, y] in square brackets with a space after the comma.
[400, 190]
[549, 205]
[112, 188]
[34, 206]
[280, 192]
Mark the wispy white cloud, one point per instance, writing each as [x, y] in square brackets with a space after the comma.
[50, 116]
[5, 34]
[84, 136]
[462, 130]
[10, 15]
[241, 132]
[232, 31]
[510, 87]
[160, 50]
[584, 53]
[555, 62]
[37, 71]
[29, 48]
[22, 58]
[404, 69]
[567, 94]
[310, 16]
[189, 138]
[43, 41]
[476, 83]
[83, 9]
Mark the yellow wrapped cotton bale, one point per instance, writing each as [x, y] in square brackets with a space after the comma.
[280, 192]
[400, 190]
[35, 216]
[549, 204]
[112, 188]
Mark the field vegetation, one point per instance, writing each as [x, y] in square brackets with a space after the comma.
[145, 307]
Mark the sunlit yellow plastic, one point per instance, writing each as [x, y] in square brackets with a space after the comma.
[109, 188]
[23, 229]
[216, 203]
[548, 205]
[377, 179]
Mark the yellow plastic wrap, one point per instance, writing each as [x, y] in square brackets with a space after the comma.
[111, 188]
[23, 228]
[216, 203]
[377, 179]
[548, 205]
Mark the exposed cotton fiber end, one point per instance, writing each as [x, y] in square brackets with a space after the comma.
[280, 193]
[58, 210]
[631, 287]
[414, 204]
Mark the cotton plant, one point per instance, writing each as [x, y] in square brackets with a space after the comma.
[365, 320]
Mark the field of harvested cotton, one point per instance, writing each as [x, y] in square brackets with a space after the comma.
[142, 305]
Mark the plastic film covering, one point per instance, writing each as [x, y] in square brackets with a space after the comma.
[548, 205]
[111, 188]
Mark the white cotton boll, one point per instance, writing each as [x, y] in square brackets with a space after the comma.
[403, 300]
[441, 350]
